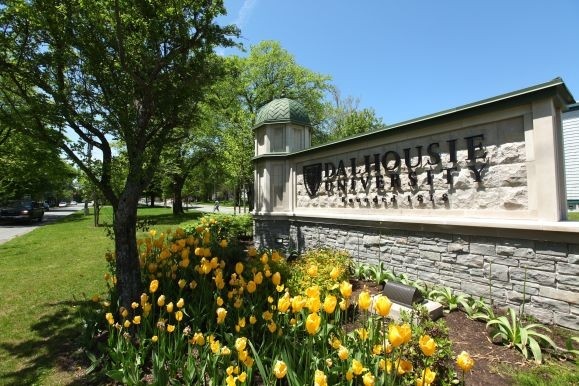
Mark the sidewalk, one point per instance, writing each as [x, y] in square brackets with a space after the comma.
[208, 208]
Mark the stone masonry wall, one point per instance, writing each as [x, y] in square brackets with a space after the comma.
[545, 274]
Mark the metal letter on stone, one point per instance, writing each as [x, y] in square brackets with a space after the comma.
[313, 178]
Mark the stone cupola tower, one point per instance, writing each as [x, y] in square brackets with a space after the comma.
[281, 127]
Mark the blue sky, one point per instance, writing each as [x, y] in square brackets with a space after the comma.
[411, 58]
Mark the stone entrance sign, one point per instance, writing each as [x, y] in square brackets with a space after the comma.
[463, 198]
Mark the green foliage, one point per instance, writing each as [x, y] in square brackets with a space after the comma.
[224, 226]
[82, 75]
[315, 266]
[550, 373]
[28, 167]
[447, 297]
[477, 309]
[527, 339]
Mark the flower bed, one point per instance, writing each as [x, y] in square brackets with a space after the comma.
[214, 314]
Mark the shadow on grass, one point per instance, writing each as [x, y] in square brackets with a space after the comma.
[55, 348]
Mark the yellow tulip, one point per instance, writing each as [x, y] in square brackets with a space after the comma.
[240, 343]
[313, 270]
[362, 333]
[313, 291]
[280, 369]
[198, 339]
[346, 289]
[170, 328]
[427, 378]
[258, 278]
[368, 379]
[403, 366]
[180, 303]
[264, 258]
[251, 252]
[349, 375]
[127, 324]
[464, 361]
[179, 316]
[251, 286]
[298, 303]
[398, 335]
[276, 278]
[161, 301]
[267, 315]
[343, 353]
[223, 243]
[335, 273]
[312, 323]
[137, 319]
[382, 305]
[427, 345]
[271, 326]
[364, 300]
[320, 379]
[182, 283]
[275, 257]
[239, 268]
[170, 307]
[330, 304]
[313, 304]
[154, 338]
[357, 367]
[153, 286]
[284, 303]
[221, 314]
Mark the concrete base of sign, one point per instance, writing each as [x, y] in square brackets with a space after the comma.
[434, 309]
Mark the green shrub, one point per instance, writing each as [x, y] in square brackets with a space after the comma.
[315, 266]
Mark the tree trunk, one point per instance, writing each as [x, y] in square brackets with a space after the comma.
[127, 257]
[177, 185]
[152, 197]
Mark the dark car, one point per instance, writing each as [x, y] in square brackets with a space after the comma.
[22, 210]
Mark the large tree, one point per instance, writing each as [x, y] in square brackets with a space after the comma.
[30, 168]
[266, 73]
[101, 70]
[343, 118]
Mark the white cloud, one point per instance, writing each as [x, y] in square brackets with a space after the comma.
[245, 12]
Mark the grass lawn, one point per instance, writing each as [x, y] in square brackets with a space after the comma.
[573, 216]
[45, 277]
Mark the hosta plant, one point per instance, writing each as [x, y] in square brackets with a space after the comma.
[527, 339]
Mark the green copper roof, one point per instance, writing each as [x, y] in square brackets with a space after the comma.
[282, 111]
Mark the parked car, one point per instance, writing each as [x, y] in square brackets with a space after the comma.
[46, 206]
[62, 204]
[73, 203]
[22, 210]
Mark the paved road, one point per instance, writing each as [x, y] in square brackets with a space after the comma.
[9, 230]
